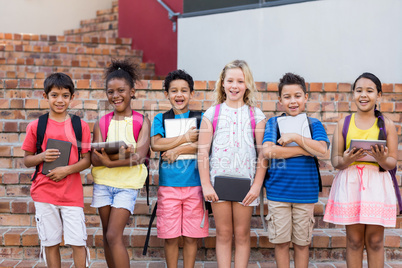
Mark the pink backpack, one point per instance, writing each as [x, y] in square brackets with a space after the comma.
[104, 123]
[218, 109]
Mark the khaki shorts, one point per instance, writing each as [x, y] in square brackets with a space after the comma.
[290, 222]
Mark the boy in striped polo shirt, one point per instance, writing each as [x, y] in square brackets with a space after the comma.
[292, 181]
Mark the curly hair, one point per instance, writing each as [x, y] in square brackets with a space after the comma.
[250, 95]
[291, 79]
[123, 69]
[176, 75]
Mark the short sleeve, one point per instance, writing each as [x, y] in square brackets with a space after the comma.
[86, 137]
[319, 133]
[259, 115]
[29, 143]
[270, 133]
[157, 126]
[209, 114]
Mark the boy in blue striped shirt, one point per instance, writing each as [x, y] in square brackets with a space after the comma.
[292, 182]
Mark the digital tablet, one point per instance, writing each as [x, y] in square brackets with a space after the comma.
[110, 147]
[64, 148]
[366, 145]
[231, 188]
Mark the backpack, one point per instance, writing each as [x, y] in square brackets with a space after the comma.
[392, 172]
[41, 130]
[138, 120]
[167, 115]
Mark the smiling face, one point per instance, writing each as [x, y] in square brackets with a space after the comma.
[365, 94]
[179, 95]
[293, 99]
[59, 99]
[119, 95]
[234, 86]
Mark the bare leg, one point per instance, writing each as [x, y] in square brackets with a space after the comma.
[241, 225]
[224, 233]
[79, 256]
[374, 241]
[114, 235]
[104, 213]
[354, 245]
[301, 256]
[189, 251]
[172, 252]
[282, 255]
[53, 258]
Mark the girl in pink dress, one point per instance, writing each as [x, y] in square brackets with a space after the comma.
[362, 196]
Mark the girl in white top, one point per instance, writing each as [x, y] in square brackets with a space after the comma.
[233, 153]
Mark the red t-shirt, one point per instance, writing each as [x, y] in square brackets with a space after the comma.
[68, 191]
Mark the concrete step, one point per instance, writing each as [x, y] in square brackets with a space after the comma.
[198, 264]
[327, 245]
[98, 27]
[24, 38]
[99, 19]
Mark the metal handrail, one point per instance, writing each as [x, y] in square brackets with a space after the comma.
[172, 15]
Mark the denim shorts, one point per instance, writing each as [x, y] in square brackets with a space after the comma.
[116, 197]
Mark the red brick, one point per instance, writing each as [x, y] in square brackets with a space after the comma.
[345, 87]
[330, 87]
[261, 86]
[387, 88]
[18, 190]
[268, 106]
[31, 104]
[194, 105]
[11, 126]
[11, 84]
[272, 87]
[13, 114]
[30, 237]
[386, 107]
[98, 84]
[328, 106]
[10, 178]
[320, 240]
[13, 237]
[317, 87]
[398, 88]
[313, 106]
[83, 83]
[19, 207]
[342, 106]
[156, 84]
[398, 107]
[17, 104]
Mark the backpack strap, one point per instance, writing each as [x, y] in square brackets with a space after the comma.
[317, 163]
[76, 122]
[104, 123]
[196, 115]
[167, 115]
[40, 135]
[252, 120]
[105, 120]
[345, 129]
[138, 120]
[151, 220]
[216, 115]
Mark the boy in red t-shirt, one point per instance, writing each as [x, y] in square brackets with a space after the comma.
[58, 196]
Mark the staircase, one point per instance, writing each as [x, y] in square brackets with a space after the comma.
[26, 59]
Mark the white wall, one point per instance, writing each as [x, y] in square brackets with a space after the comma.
[324, 41]
[50, 17]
